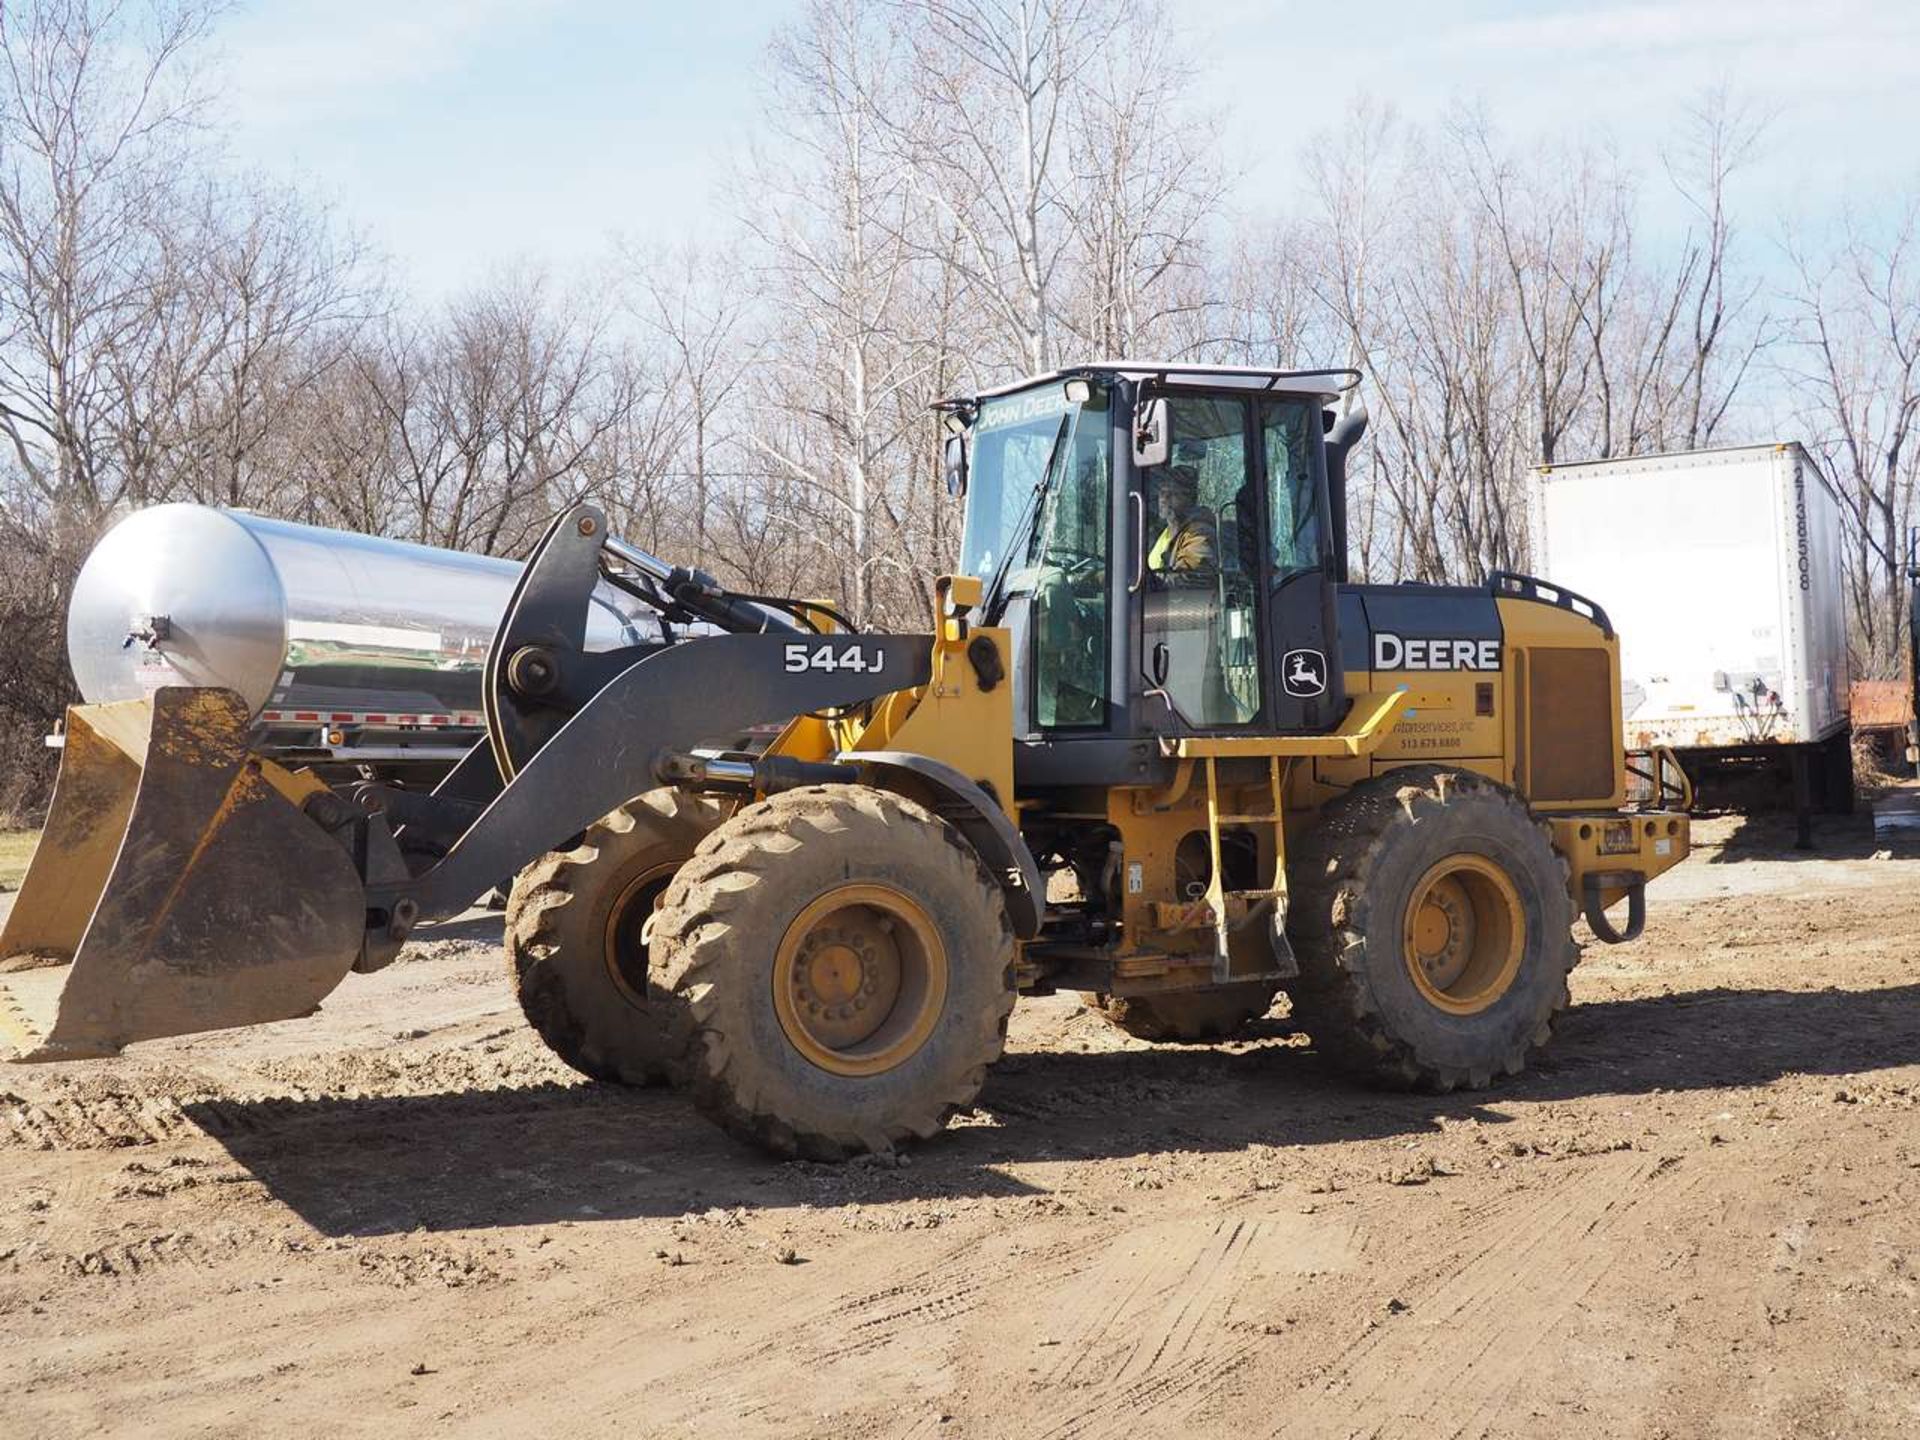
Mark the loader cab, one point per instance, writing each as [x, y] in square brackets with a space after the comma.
[1162, 545]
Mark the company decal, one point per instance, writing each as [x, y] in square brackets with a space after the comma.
[1304, 673]
[1044, 402]
[1393, 652]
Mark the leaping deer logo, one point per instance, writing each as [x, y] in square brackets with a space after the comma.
[1304, 672]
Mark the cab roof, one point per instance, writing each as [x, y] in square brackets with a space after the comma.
[1307, 384]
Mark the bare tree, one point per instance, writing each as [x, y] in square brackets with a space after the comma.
[97, 111]
[280, 300]
[1855, 362]
[1145, 181]
[698, 315]
[496, 411]
[830, 213]
[1557, 224]
[986, 141]
[1684, 337]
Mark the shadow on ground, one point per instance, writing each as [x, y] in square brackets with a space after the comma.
[481, 925]
[551, 1153]
[1769, 835]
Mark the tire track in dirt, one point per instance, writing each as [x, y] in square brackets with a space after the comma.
[130, 1260]
[1152, 1325]
[1446, 1367]
[896, 1307]
[119, 1260]
[1198, 1304]
[933, 1297]
[1161, 1313]
[961, 1281]
[1147, 1405]
[103, 1122]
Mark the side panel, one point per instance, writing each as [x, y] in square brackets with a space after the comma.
[1701, 535]
[954, 719]
[1817, 697]
[1520, 690]
[1445, 646]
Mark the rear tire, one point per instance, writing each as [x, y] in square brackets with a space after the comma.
[1185, 1017]
[573, 943]
[845, 968]
[1433, 926]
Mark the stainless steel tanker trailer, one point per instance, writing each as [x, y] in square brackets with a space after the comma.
[358, 656]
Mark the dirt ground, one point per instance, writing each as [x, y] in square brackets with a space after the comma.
[1697, 1217]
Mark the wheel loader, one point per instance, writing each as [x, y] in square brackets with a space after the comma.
[1157, 749]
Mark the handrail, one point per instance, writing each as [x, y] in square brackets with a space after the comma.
[1532, 587]
[1663, 762]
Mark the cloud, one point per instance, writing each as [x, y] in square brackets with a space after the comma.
[301, 60]
[1843, 46]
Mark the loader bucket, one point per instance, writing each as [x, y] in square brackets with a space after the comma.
[180, 876]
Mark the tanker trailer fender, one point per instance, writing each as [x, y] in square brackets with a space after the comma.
[974, 813]
[613, 748]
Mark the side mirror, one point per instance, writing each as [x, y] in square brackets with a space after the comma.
[1151, 441]
[953, 461]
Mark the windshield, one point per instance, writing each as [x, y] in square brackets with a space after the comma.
[1013, 437]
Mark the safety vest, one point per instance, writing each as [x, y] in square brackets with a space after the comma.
[1186, 546]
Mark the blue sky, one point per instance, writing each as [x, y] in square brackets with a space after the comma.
[462, 135]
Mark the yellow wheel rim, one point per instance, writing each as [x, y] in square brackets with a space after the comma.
[624, 951]
[860, 979]
[1464, 935]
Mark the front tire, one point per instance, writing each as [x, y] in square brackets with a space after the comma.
[574, 918]
[1433, 925]
[845, 969]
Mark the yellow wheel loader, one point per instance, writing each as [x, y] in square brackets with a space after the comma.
[1158, 750]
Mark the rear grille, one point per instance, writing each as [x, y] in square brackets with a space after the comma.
[1570, 706]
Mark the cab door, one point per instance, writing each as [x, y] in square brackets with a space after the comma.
[1236, 614]
[1201, 599]
[1305, 689]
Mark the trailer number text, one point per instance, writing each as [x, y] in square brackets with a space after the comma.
[1391, 652]
[1800, 526]
[826, 657]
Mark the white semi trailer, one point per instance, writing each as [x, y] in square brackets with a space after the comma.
[1721, 572]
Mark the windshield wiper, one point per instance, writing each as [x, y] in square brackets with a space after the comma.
[994, 603]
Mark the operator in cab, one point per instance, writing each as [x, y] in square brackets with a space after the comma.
[1189, 538]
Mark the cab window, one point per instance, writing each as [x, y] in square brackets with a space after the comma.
[1292, 508]
[1069, 563]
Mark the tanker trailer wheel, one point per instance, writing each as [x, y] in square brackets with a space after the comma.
[1185, 1017]
[846, 968]
[573, 937]
[1433, 927]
